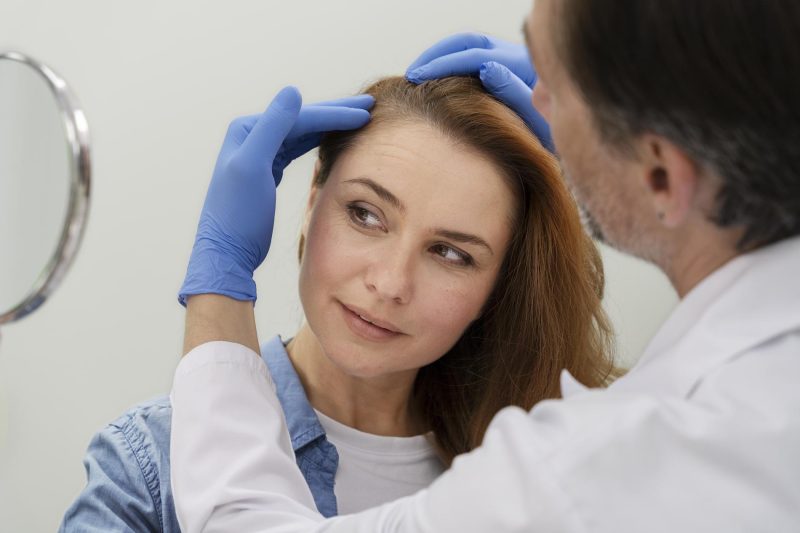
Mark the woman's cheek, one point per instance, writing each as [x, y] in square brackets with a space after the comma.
[322, 252]
[329, 238]
[450, 310]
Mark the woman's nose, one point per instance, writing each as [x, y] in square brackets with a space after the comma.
[390, 276]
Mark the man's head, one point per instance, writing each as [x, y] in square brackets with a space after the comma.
[677, 121]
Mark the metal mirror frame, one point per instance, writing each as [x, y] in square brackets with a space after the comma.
[77, 133]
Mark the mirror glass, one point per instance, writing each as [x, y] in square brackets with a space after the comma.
[37, 178]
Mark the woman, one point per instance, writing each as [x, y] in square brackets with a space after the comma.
[444, 275]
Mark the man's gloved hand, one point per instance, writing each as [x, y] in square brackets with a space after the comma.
[504, 68]
[235, 228]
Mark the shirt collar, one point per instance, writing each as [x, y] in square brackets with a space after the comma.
[301, 420]
[748, 301]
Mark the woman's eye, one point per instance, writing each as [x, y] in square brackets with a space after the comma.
[451, 255]
[363, 217]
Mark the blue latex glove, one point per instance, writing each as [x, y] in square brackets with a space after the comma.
[504, 68]
[235, 228]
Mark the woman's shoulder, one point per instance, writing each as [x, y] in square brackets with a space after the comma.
[152, 417]
[146, 427]
[141, 437]
[127, 474]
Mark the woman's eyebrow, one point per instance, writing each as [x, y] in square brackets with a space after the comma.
[386, 195]
[381, 191]
[462, 237]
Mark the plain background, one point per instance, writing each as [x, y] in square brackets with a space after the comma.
[159, 83]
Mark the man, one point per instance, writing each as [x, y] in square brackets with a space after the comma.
[678, 126]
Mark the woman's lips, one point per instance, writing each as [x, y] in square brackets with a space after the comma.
[361, 325]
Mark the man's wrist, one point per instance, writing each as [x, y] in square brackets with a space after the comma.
[214, 317]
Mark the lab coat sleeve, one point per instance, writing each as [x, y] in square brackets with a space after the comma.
[233, 467]
[229, 447]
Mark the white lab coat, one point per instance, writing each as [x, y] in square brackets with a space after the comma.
[703, 435]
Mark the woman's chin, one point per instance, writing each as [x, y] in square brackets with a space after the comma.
[355, 361]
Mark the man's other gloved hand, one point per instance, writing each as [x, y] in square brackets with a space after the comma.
[504, 68]
[235, 228]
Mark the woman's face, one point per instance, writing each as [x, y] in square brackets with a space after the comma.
[403, 246]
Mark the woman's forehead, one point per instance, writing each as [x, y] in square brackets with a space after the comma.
[428, 172]
[415, 155]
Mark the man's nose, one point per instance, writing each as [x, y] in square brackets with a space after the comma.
[540, 98]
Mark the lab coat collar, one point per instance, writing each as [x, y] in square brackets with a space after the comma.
[752, 299]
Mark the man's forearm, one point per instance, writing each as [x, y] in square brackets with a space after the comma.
[213, 317]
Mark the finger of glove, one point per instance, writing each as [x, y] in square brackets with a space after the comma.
[272, 127]
[450, 45]
[455, 64]
[307, 132]
[240, 127]
[511, 90]
[319, 118]
[304, 144]
[361, 101]
[237, 132]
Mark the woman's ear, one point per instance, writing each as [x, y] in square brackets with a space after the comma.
[317, 166]
[312, 198]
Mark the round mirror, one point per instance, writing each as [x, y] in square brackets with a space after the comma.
[44, 183]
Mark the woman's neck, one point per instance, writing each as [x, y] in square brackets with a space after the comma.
[381, 405]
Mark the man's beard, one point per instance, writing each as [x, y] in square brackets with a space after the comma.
[634, 242]
[591, 225]
[588, 221]
[627, 236]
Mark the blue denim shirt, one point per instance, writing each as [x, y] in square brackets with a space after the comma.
[127, 463]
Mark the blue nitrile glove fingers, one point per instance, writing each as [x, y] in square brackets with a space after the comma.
[312, 123]
[504, 68]
[316, 119]
[235, 228]
[512, 91]
[450, 45]
[464, 53]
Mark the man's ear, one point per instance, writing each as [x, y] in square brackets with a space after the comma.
[671, 177]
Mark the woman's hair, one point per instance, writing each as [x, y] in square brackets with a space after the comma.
[544, 313]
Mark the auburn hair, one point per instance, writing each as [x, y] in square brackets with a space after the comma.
[544, 314]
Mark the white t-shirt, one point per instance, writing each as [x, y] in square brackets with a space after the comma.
[375, 469]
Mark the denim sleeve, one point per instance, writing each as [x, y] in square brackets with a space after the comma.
[118, 495]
